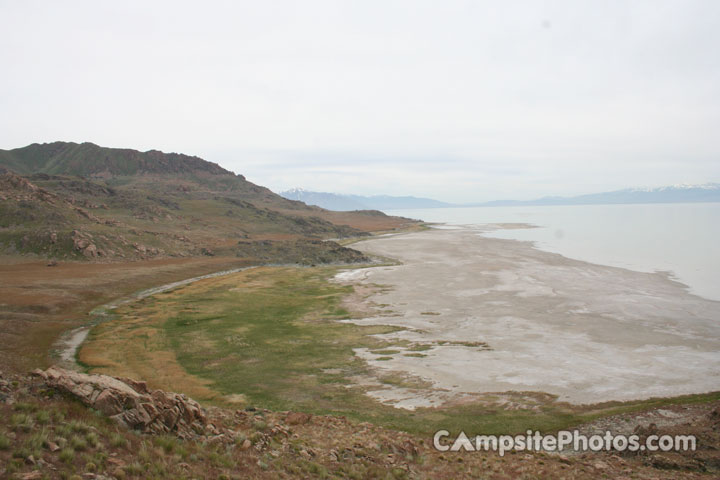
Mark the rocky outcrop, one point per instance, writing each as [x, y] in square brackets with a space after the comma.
[303, 252]
[83, 242]
[130, 402]
[15, 187]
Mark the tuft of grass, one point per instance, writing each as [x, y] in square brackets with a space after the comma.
[144, 453]
[4, 442]
[24, 407]
[134, 469]
[167, 442]
[67, 455]
[92, 439]
[63, 430]
[78, 443]
[21, 422]
[117, 440]
[37, 440]
[58, 416]
[78, 426]
[42, 417]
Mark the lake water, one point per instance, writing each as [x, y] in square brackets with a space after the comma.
[683, 239]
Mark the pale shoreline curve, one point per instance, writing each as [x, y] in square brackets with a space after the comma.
[499, 315]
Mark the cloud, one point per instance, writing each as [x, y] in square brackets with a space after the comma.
[463, 100]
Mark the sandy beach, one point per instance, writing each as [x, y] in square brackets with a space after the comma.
[500, 315]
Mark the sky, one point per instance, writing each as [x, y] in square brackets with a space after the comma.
[462, 101]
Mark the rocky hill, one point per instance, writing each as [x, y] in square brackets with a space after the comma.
[81, 201]
[88, 159]
[134, 431]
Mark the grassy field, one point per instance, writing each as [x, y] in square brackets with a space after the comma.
[270, 337]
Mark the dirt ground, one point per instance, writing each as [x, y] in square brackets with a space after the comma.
[38, 303]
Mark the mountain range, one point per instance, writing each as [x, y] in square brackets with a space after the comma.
[341, 202]
[683, 193]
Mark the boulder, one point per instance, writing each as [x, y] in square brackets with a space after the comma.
[130, 402]
[297, 418]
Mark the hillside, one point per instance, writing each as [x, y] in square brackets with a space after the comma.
[82, 201]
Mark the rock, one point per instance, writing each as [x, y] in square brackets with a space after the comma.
[53, 447]
[115, 462]
[297, 418]
[662, 462]
[82, 242]
[90, 251]
[246, 444]
[600, 465]
[35, 475]
[130, 403]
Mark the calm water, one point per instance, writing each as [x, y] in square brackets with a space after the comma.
[680, 238]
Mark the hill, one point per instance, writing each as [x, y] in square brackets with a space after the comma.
[82, 201]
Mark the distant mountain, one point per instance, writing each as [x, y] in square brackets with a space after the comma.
[682, 193]
[340, 202]
[329, 201]
[708, 192]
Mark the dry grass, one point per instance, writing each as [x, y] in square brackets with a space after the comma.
[40, 303]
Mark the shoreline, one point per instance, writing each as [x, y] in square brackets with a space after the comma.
[584, 332]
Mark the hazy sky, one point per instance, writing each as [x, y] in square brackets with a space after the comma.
[457, 100]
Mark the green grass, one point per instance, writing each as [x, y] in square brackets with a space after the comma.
[273, 336]
[271, 343]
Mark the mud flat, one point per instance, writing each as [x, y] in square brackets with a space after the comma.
[492, 315]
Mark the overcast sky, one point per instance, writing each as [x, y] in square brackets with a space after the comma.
[456, 100]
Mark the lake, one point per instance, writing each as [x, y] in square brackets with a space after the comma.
[679, 238]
